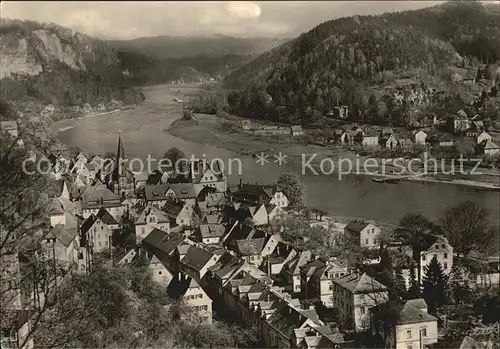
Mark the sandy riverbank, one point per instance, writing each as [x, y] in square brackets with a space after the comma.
[209, 131]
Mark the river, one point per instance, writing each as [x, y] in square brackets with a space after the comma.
[143, 133]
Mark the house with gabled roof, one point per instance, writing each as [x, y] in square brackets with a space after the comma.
[490, 149]
[204, 174]
[250, 250]
[104, 216]
[149, 218]
[420, 137]
[354, 294]
[212, 203]
[311, 337]
[159, 195]
[197, 261]
[291, 270]
[193, 295]
[483, 136]
[94, 198]
[17, 333]
[96, 235]
[180, 213]
[436, 246]
[158, 272]
[414, 326]
[164, 246]
[364, 233]
[260, 194]
[61, 243]
[370, 139]
[209, 233]
[278, 329]
[316, 278]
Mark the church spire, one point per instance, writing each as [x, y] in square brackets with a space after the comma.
[120, 154]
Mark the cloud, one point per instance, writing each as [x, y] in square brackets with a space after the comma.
[133, 19]
[243, 10]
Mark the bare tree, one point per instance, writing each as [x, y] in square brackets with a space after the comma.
[467, 227]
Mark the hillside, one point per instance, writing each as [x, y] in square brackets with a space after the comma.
[50, 64]
[338, 60]
[166, 47]
[144, 70]
[154, 60]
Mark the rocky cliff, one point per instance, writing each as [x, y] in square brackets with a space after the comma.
[55, 65]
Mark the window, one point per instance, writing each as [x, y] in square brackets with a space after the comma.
[330, 287]
[367, 241]
[409, 347]
[143, 230]
[436, 247]
[363, 310]
[423, 332]
[442, 246]
[445, 265]
[106, 242]
[102, 227]
[446, 255]
[408, 334]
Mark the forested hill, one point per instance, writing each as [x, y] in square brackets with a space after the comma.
[338, 57]
[145, 70]
[50, 64]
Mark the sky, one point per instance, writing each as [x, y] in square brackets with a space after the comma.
[128, 20]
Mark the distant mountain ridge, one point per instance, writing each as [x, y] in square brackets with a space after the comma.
[167, 47]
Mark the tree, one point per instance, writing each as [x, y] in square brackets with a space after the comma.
[175, 155]
[187, 114]
[459, 292]
[467, 227]
[434, 285]
[412, 228]
[295, 191]
[399, 281]
[414, 286]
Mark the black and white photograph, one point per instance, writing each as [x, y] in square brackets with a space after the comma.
[250, 174]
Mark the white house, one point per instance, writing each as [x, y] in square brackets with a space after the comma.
[196, 298]
[483, 136]
[414, 327]
[279, 199]
[366, 233]
[491, 150]
[159, 273]
[210, 233]
[370, 139]
[354, 295]
[97, 234]
[297, 131]
[439, 247]
[420, 137]
[148, 219]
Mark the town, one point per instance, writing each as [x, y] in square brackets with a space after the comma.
[250, 174]
[255, 254]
